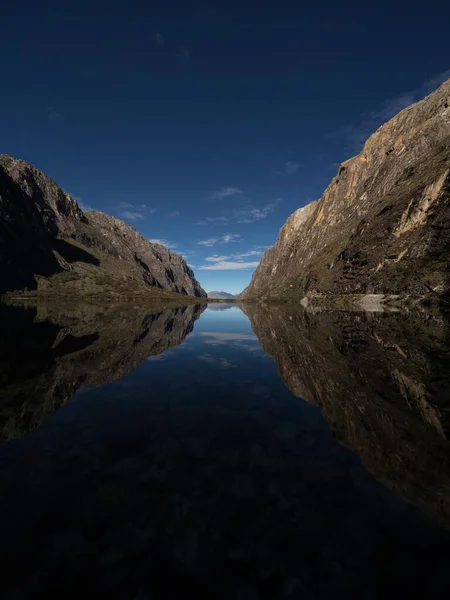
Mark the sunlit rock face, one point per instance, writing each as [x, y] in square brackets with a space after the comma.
[382, 225]
[49, 246]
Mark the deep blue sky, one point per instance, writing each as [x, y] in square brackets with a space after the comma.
[208, 121]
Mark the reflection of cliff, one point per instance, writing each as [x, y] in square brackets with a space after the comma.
[381, 381]
[45, 357]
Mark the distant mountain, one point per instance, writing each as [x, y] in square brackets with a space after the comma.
[221, 295]
[50, 247]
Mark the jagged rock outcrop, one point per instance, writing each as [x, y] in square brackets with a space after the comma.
[382, 383]
[50, 246]
[383, 224]
[48, 352]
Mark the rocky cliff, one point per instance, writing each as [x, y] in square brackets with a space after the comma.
[381, 382]
[49, 246]
[382, 225]
[47, 355]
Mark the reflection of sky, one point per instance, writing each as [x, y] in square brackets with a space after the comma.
[205, 433]
[221, 358]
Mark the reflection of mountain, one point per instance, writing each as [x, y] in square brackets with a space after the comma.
[221, 305]
[45, 357]
[383, 384]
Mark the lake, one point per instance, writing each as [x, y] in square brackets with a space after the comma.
[254, 452]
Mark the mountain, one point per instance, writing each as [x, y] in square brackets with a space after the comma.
[381, 381]
[220, 295]
[50, 247]
[382, 225]
[48, 351]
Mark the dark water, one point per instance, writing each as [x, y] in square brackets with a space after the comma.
[192, 453]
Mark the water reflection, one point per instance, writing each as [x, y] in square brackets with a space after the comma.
[183, 465]
[48, 352]
[382, 381]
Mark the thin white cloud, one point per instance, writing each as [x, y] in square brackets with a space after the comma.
[135, 212]
[224, 239]
[159, 38]
[230, 237]
[251, 214]
[247, 254]
[191, 266]
[226, 192]
[131, 216]
[227, 265]
[208, 220]
[53, 114]
[356, 135]
[208, 243]
[291, 167]
[163, 242]
[216, 258]
[224, 363]
[174, 214]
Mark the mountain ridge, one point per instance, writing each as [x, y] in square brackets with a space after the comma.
[50, 247]
[381, 226]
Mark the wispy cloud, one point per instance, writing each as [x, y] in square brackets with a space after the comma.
[248, 253]
[131, 216]
[235, 257]
[224, 239]
[250, 214]
[224, 363]
[209, 242]
[216, 258]
[228, 265]
[435, 81]
[135, 212]
[159, 38]
[291, 167]
[53, 114]
[174, 214]
[230, 237]
[184, 58]
[163, 242]
[355, 135]
[209, 220]
[226, 192]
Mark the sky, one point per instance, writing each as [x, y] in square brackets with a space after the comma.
[206, 124]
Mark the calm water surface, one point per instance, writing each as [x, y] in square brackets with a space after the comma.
[263, 453]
